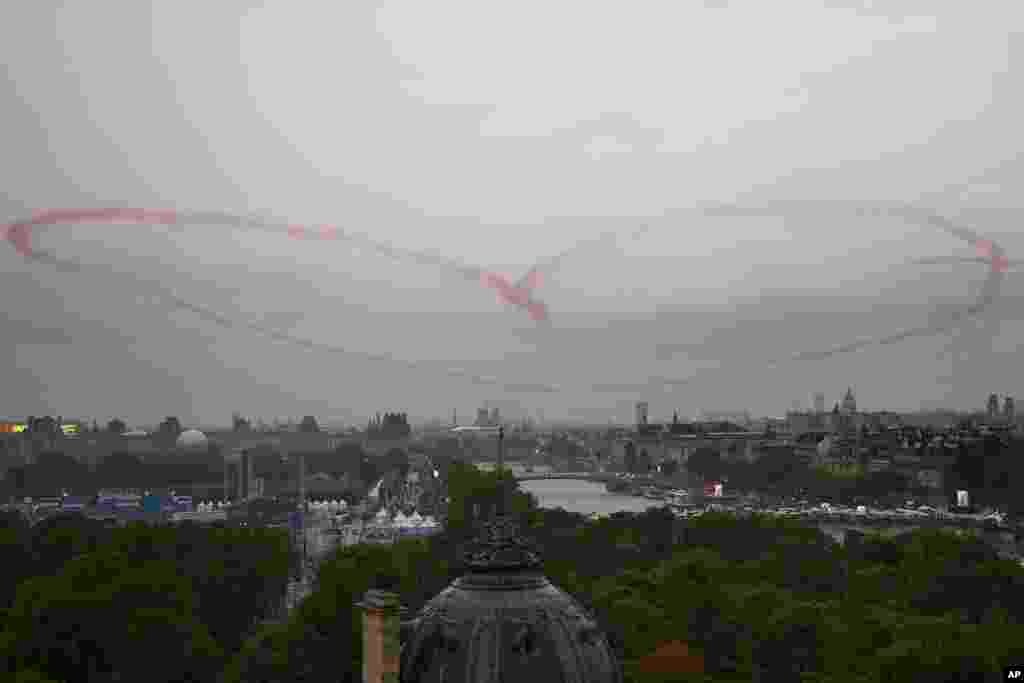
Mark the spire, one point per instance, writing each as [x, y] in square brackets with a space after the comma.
[499, 547]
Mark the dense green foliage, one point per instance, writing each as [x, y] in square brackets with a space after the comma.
[754, 599]
[85, 602]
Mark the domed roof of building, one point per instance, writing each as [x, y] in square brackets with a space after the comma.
[192, 439]
[504, 621]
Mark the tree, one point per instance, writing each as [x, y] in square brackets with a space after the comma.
[644, 462]
[31, 676]
[106, 614]
[117, 426]
[54, 472]
[706, 463]
[630, 460]
[395, 458]
[235, 573]
[774, 466]
[121, 470]
[16, 549]
[61, 538]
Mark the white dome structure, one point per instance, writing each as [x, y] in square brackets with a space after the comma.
[192, 440]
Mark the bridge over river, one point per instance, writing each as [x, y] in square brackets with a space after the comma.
[600, 477]
[596, 477]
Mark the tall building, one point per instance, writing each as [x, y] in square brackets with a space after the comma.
[641, 414]
[240, 476]
[389, 426]
[819, 402]
[849, 405]
[993, 405]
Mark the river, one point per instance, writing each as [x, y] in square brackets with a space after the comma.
[587, 497]
[584, 497]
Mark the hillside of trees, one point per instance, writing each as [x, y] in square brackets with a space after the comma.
[745, 599]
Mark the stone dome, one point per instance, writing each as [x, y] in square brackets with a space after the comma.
[192, 440]
[504, 621]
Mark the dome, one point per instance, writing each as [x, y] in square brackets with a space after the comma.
[504, 621]
[192, 440]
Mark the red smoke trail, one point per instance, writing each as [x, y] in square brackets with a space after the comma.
[19, 234]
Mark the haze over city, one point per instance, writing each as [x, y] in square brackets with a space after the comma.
[455, 129]
[581, 341]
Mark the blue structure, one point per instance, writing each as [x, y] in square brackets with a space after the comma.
[73, 503]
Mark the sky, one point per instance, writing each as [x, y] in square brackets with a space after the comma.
[499, 135]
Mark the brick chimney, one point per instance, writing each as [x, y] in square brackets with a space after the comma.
[381, 636]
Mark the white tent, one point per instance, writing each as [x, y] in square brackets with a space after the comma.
[416, 518]
[382, 515]
[401, 519]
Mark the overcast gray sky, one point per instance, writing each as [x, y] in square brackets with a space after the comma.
[500, 134]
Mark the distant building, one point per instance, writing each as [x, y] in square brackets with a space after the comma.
[389, 426]
[641, 414]
[738, 417]
[1008, 409]
[845, 417]
[993, 406]
[240, 481]
[192, 441]
[487, 418]
[849, 405]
